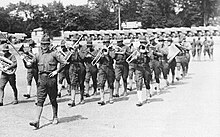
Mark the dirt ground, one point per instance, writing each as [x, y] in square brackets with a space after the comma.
[188, 108]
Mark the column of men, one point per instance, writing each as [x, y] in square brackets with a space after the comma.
[109, 63]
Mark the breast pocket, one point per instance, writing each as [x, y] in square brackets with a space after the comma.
[52, 66]
[40, 67]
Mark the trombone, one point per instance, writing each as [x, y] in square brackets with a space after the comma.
[99, 55]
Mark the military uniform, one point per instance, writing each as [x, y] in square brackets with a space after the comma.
[199, 48]
[11, 78]
[64, 74]
[32, 71]
[91, 71]
[121, 68]
[206, 45]
[142, 72]
[77, 73]
[47, 61]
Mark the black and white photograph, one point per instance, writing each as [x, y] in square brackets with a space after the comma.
[109, 68]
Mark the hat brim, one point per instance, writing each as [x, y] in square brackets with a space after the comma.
[45, 42]
[5, 49]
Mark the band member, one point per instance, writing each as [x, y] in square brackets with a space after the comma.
[211, 47]
[106, 72]
[163, 49]
[155, 63]
[206, 44]
[64, 74]
[32, 71]
[199, 48]
[142, 72]
[91, 71]
[172, 63]
[47, 62]
[193, 48]
[121, 67]
[77, 73]
[8, 77]
[132, 67]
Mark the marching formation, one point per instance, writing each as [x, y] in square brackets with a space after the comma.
[140, 57]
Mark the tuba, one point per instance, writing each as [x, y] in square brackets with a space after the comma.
[5, 63]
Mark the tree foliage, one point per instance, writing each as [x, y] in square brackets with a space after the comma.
[103, 14]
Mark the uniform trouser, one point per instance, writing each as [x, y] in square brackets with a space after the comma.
[5, 78]
[155, 66]
[142, 73]
[121, 70]
[199, 51]
[172, 66]
[64, 74]
[77, 73]
[32, 73]
[106, 73]
[164, 68]
[132, 68]
[47, 86]
[92, 72]
[194, 52]
[206, 50]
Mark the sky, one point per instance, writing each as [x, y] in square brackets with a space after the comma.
[4, 3]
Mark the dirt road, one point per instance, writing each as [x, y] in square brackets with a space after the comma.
[189, 108]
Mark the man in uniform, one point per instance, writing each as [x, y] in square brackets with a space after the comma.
[77, 73]
[8, 74]
[155, 63]
[91, 71]
[211, 47]
[199, 47]
[206, 44]
[65, 72]
[142, 72]
[106, 71]
[121, 67]
[32, 71]
[47, 62]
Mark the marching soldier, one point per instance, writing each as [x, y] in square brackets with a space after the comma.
[199, 47]
[64, 74]
[142, 70]
[206, 44]
[132, 67]
[91, 71]
[106, 72]
[8, 74]
[193, 48]
[211, 47]
[32, 71]
[163, 49]
[155, 64]
[47, 62]
[121, 67]
[77, 73]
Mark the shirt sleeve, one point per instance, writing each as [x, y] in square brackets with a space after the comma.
[61, 60]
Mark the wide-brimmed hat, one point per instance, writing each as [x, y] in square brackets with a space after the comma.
[74, 38]
[89, 43]
[5, 47]
[106, 40]
[119, 39]
[31, 43]
[45, 40]
[142, 39]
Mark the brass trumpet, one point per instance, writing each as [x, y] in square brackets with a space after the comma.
[136, 53]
